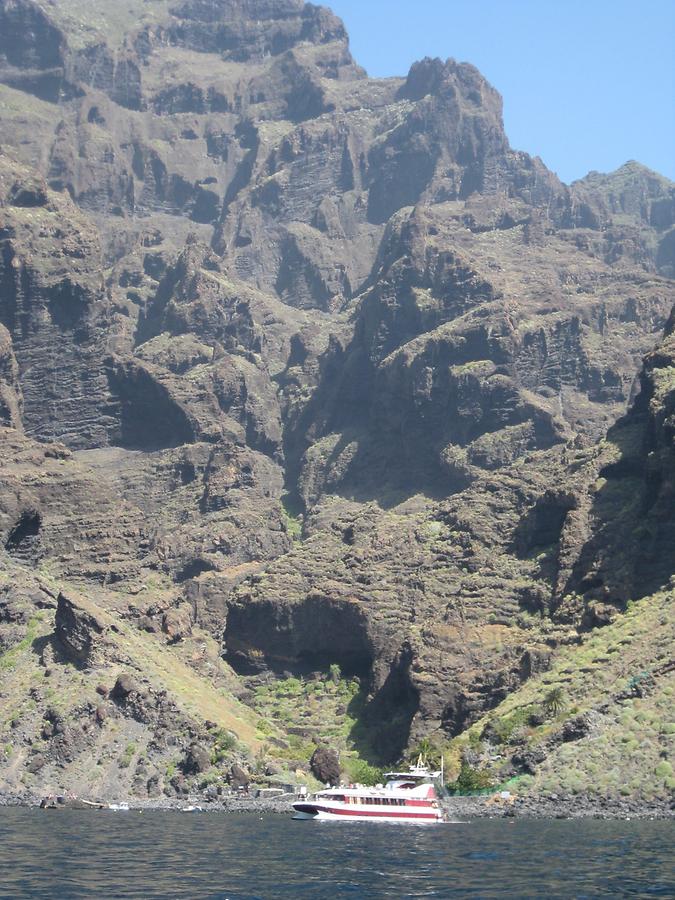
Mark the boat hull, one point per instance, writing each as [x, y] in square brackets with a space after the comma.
[303, 815]
[322, 813]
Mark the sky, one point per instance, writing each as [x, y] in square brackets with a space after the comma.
[587, 84]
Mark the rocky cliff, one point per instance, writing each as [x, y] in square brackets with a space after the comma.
[306, 379]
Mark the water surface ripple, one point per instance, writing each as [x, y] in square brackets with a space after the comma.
[68, 855]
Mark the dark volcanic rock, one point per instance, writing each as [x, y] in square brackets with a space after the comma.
[576, 728]
[28, 39]
[238, 777]
[325, 765]
[177, 623]
[10, 389]
[636, 192]
[630, 547]
[125, 688]
[529, 760]
[197, 760]
[80, 633]
[52, 292]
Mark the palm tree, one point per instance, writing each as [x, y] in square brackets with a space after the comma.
[554, 701]
[426, 749]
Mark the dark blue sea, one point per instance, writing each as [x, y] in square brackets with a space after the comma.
[70, 855]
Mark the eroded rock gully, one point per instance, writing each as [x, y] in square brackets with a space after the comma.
[314, 360]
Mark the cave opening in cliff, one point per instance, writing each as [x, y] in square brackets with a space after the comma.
[308, 637]
[193, 569]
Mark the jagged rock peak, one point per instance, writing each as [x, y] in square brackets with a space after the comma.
[634, 189]
[446, 79]
[630, 169]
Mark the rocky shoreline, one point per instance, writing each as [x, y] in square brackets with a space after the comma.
[458, 808]
[557, 808]
[187, 804]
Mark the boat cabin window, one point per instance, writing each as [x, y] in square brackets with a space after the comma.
[356, 800]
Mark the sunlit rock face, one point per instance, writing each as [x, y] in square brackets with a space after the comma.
[316, 363]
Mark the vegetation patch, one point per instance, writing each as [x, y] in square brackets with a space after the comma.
[606, 734]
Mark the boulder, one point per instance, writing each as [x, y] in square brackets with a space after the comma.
[147, 623]
[238, 777]
[124, 688]
[528, 760]
[537, 718]
[490, 734]
[54, 724]
[325, 765]
[153, 786]
[30, 192]
[179, 785]
[177, 623]
[197, 760]
[38, 762]
[576, 728]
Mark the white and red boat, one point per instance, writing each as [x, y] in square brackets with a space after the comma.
[407, 797]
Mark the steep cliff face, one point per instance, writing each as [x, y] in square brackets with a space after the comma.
[54, 306]
[10, 389]
[630, 553]
[458, 361]
[312, 363]
[32, 49]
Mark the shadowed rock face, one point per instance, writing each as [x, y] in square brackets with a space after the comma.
[10, 390]
[245, 29]
[306, 636]
[148, 418]
[632, 544]
[28, 39]
[319, 361]
[79, 633]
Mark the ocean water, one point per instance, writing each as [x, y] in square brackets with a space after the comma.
[70, 855]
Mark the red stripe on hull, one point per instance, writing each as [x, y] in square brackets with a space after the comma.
[367, 814]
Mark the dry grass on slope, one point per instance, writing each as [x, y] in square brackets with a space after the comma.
[600, 722]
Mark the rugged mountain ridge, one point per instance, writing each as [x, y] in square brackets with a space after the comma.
[314, 365]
